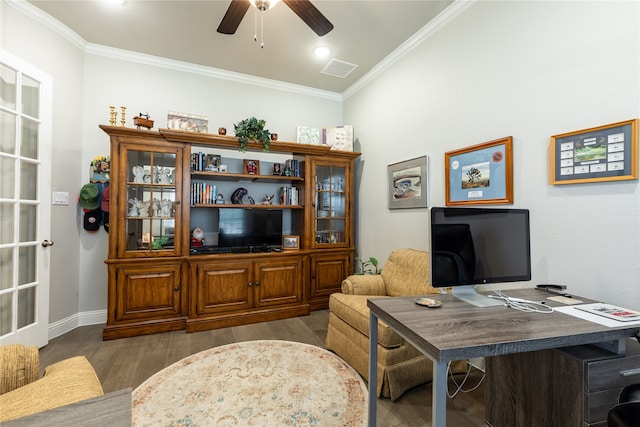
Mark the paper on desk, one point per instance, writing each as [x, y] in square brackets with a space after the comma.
[573, 311]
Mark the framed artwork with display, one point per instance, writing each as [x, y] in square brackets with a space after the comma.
[603, 153]
[480, 174]
[290, 242]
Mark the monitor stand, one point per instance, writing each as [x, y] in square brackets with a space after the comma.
[468, 293]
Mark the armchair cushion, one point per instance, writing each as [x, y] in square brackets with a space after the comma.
[19, 366]
[407, 272]
[354, 308]
[63, 383]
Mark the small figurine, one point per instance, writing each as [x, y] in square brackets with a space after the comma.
[267, 199]
[197, 237]
[164, 175]
[138, 174]
[143, 208]
[142, 120]
[133, 211]
[156, 207]
[166, 207]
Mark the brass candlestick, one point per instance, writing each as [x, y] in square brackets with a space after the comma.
[113, 116]
[122, 119]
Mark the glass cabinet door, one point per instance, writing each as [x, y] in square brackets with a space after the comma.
[330, 205]
[152, 205]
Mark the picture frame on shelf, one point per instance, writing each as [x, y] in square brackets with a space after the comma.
[251, 167]
[598, 154]
[277, 169]
[187, 122]
[290, 242]
[480, 174]
[408, 184]
[338, 137]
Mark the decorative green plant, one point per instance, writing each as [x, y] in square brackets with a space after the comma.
[159, 242]
[368, 266]
[252, 129]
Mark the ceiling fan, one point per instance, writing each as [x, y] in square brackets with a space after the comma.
[303, 8]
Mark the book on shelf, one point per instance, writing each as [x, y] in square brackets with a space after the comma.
[203, 193]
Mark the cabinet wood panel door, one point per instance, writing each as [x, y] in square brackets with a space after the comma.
[278, 282]
[221, 287]
[327, 273]
[148, 291]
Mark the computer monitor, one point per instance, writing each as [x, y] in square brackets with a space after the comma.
[474, 246]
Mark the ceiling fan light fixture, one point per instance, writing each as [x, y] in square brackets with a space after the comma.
[263, 5]
[321, 51]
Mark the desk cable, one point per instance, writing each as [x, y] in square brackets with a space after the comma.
[459, 386]
[522, 304]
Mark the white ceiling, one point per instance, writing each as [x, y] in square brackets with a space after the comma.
[364, 33]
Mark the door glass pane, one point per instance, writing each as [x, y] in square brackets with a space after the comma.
[26, 306]
[6, 268]
[26, 265]
[28, 223]
[30, 97]
[29, 143]
[6, 313]
[7, 224]
[7, 178]
[28, 181]
[7, 87]
[7, 132]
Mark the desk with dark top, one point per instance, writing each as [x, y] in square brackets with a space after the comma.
[458, 330]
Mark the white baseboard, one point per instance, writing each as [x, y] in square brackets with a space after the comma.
[79, 319]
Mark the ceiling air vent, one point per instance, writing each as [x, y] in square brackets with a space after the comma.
[338, 68]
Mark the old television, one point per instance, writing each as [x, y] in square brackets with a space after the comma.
[477, 246]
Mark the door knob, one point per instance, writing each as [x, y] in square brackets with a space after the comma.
[46, 243]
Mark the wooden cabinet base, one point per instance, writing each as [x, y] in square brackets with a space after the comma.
[245, 318]
[151, 327]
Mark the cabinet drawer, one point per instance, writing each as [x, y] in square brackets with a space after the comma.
[613, 373]
[597, 404]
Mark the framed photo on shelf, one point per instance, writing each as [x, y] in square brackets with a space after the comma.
[408, 184]
[290, 242]
[187, 122]
[251, 167]
[480, 174]
[603, 153]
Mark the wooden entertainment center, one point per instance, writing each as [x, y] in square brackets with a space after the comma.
[158, 283]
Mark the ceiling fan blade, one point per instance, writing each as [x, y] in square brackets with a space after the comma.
[310, 15]
[232, 18]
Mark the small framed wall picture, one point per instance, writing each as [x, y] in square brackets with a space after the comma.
[408, 184]
[603, 153]
[251, 167]
[290, 242]
[480, 174]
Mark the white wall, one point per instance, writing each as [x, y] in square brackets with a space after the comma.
[531, 70]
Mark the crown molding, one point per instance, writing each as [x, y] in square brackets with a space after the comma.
[442, 19]
[94, 49]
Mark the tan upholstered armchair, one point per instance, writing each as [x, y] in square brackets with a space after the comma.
[400, 366]
[23, 393]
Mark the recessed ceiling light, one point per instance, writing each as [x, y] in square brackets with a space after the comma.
[321, 51]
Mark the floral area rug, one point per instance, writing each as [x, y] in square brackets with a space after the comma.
[254, 383]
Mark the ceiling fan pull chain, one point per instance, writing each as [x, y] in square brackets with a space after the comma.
[255, 25]
[262, 30]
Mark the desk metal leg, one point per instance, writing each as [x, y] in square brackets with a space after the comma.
[373, 368]
[439, 395]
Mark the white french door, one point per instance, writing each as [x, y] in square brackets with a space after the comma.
[25, 201]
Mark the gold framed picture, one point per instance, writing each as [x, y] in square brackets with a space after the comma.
[603, 153]
[290, 242]
[480, 174]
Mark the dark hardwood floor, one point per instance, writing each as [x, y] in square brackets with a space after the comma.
[128, 362]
